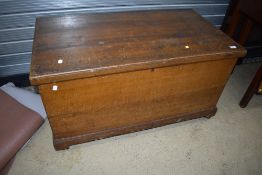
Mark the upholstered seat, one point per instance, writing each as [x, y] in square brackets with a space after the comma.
[17, 124]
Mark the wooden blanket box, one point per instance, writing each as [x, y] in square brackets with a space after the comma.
[106, 74]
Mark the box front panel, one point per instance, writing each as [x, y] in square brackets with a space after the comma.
[93, 104]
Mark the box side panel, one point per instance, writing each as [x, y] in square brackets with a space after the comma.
[93, 104]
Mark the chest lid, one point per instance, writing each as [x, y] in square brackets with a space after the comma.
[86, 45]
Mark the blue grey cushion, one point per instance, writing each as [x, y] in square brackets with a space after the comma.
[29, 99]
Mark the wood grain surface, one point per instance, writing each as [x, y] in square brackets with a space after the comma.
[105, 43]
[117, 73]
[90, 105]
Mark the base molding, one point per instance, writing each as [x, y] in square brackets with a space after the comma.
[64, 143]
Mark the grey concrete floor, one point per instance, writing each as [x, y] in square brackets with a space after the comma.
[230, 143]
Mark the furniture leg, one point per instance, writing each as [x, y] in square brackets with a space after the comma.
[248, 24]
[252, 88]
[233, 22]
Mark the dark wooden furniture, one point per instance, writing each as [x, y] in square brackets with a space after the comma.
[249, 11]
[254, 87]
[102, 75]
[244, 16]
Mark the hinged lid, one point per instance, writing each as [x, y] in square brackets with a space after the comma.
[86, 45]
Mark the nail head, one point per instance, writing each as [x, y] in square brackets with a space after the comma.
[60, 61]
[233, 47]
[55, 88]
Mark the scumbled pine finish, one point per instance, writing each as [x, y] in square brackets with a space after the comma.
[107, 74]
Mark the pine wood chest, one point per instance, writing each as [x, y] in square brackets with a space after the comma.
[107, 74]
